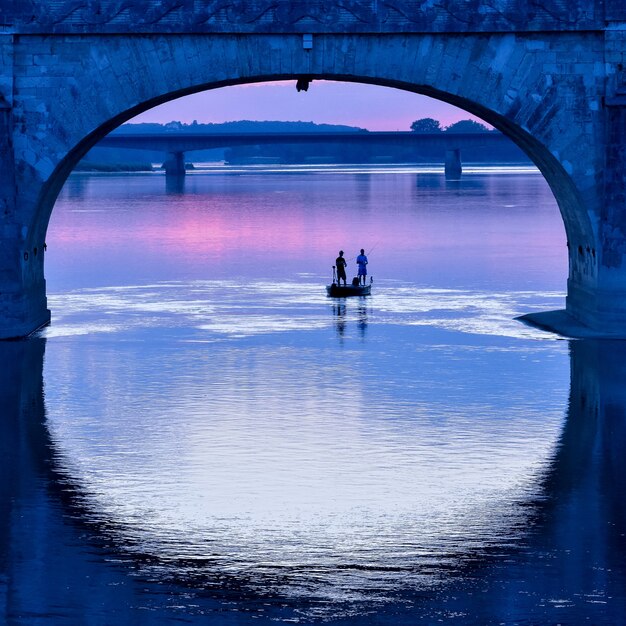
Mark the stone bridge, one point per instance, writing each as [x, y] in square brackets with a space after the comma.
[550, 74]
[447, 146]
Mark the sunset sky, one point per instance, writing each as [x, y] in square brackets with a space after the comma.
[356, 104]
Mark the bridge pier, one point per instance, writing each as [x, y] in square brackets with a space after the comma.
[23, 302]
[175, 165]
[596, 287]
[453, 167]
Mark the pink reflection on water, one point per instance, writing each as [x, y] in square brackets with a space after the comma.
[488, 231]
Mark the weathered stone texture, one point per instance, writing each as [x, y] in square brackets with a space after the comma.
[7, 161]
[287, 16]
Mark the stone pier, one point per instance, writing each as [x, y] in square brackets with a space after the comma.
[175, 165]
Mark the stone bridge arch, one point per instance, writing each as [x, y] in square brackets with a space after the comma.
[68, 92]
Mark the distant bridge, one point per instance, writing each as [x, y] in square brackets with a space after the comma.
[447, 145]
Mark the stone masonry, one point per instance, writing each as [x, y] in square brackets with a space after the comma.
[551, 74]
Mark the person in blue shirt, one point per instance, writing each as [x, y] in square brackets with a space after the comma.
[361, 261]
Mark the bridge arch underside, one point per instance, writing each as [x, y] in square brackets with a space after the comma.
[99, 84]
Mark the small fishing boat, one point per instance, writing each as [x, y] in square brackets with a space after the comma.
[335, 290]
[344, 291]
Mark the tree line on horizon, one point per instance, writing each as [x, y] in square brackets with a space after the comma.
[123, 159]
[428, 125]
[424, 125]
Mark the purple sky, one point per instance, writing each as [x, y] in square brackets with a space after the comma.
[356, 104]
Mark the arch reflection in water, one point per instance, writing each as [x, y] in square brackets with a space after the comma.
[70, 546]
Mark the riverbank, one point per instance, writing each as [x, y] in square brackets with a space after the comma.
[86, 166]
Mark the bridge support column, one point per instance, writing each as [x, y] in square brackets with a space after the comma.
[175, 165]
[453, 167]
[605, 305]
[596, 288]
[23, 302]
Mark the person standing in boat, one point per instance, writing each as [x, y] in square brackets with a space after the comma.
[340, 264]
[361, 261]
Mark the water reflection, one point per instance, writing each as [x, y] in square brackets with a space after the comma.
[362, 317]
[76, 187]
[363, 184]
[64, 558]
[175, 185]
[571, 568]
[217, 439]
[471, 184]
[339, 311]
[272, 226]
[353, 310]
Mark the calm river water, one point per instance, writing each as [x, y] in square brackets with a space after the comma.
[202, 436]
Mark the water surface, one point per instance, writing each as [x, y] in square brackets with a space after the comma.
[201, 431]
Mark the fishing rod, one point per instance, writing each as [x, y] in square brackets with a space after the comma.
[369, 251]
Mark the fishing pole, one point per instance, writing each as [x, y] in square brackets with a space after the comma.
[369, 251]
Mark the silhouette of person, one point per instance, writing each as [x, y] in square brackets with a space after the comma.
[340, 264]
[361, 261]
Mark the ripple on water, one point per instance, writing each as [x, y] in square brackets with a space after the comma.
[340, 477]
[217, 308]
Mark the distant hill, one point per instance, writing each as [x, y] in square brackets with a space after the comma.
[242, 126]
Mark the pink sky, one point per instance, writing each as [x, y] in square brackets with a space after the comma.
[355, 104]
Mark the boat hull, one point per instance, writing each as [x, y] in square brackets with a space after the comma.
[335, 291]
